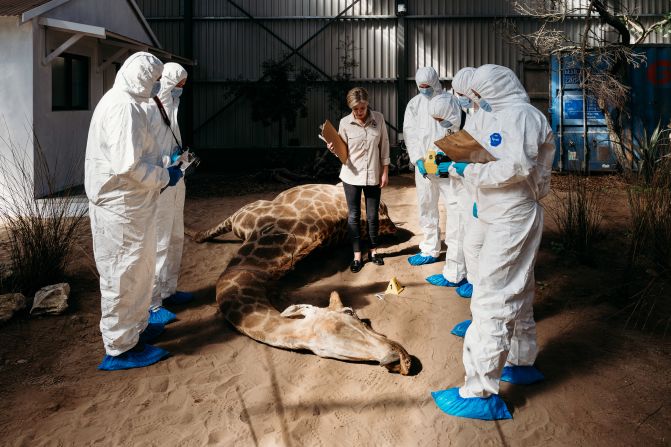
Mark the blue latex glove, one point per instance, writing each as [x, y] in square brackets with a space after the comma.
[459, 167]
[175, 174]
[420, 166]
[443, 167]
[475, 210]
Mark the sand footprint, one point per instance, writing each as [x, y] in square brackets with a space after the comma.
[216, 437]
[159, 384]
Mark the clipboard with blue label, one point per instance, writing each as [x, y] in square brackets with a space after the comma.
[461, 146]
[329, 134]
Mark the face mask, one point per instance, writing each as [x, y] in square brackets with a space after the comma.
[484, 105]
[446, 124]
[176, 92]
[464, 102]
[155, 89]
[426, 91]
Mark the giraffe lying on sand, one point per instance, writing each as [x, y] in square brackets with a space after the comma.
[276, 235]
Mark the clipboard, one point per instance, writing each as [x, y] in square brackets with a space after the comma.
[461, 146]
[330, 135]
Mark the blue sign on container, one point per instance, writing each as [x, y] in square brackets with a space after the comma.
[571, 76]
[573, 108]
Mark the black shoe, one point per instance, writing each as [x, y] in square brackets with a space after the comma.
[376, 259]
[355, 266]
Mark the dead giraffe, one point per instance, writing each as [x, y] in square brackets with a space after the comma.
[276, 235]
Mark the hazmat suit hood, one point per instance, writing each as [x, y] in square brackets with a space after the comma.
[498, 85]
[446, 107]
[428, 75]
[173, 74]
[138, 74]
[462, 80]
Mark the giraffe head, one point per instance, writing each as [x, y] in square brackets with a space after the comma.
[337, 332]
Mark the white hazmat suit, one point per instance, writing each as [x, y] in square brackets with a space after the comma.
[419, 131]
[472, 238]
[123, 177]
[507, 192]
[457, 201]
[170, 214]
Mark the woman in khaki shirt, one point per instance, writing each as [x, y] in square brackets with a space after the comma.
[367, 170]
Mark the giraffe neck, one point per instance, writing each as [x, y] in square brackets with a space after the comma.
[242, 298]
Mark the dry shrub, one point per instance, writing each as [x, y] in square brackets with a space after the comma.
[577, 212]
[650, 249]
[40, 233]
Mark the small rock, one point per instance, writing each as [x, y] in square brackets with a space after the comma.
[10, 304]
[21, 361]
[51, 300]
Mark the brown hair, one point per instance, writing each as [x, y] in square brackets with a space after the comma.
[356, 95]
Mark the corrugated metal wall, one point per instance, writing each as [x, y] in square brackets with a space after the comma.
[229, 46]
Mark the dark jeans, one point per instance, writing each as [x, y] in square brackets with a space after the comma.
[353, 197]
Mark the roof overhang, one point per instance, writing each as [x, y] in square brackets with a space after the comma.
[39, 10]
[49, 5]
[105, 37]
[73, 27]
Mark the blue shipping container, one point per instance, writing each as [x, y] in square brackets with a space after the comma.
[568, 118]
[651, 90]
[649, 105]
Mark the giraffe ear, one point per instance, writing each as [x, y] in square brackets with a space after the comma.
[298, 311]
[334, 302]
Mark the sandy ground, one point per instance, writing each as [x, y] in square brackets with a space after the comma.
[605, 386]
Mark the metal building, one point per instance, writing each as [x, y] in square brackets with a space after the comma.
[388, 40]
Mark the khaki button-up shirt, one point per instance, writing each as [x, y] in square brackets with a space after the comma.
[368, 147]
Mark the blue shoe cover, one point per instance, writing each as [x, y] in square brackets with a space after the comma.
[465, 291]
[439, 280]
[521, 375]
[420, 259]
[460, 329]
[491, 408]
[151, 332]
[178, 298]
[141, 355]
[161, 316]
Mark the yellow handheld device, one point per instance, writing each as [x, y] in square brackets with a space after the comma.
[430, 163]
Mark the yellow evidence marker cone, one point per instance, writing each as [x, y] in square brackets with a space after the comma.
[394, 287]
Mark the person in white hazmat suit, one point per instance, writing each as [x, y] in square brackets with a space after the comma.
[500, 344]
[123, 176]
[419, 130]
[472, 240]
[460, 85]
[446, 111]
[170, 213]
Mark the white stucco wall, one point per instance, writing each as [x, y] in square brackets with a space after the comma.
[16, 90]
[61, 135]
[114, 15]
